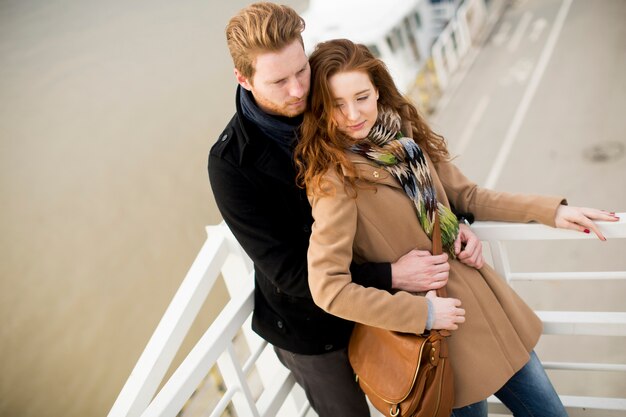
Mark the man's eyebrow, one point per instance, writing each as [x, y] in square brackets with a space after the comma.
[284, 78]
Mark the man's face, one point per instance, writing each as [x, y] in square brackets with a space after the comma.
[280, 84]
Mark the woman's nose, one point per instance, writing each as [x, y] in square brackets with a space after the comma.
[351, 113]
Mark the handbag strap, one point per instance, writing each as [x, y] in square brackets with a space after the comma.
[438, 249]
[441, 292]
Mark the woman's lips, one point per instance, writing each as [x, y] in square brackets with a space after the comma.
[357, 127]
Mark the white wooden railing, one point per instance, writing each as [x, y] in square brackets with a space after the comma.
[456, 39]
[272, 393]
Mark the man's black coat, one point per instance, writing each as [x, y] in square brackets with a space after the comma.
[253, 182]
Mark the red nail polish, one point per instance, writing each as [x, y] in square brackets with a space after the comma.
[586, 231]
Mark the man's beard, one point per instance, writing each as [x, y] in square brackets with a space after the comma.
[285, 109]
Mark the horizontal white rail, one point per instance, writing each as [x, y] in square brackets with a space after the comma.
[572, 276]
[580, 323]
[222, 256]
[504, 231]
[583, 323]
[587, 405]
[580, 366]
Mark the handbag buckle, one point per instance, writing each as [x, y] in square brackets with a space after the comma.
[394, 410]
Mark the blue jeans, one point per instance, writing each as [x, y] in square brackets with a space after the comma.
[528, 393]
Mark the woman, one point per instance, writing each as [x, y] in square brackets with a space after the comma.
[374, 192]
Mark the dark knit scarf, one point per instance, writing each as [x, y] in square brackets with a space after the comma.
[282, 130]
[404, 160]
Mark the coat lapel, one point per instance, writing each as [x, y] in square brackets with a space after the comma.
[275, 162]
[370, 172]
[265, 156]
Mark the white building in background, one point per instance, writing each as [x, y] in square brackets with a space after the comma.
[400, 32]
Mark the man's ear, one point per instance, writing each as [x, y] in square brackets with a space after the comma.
[243, 81]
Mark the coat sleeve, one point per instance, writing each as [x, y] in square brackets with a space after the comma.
[487, 204]
[329, 258]
[371, 274]
[278, 256]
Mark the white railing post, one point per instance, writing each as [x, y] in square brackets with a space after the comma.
[449, 49]
[500, 259]
[464, 27]
[440, 69]
[194, 368]
[233, 376]
[464, 37]
[171, 330]
[237, 267]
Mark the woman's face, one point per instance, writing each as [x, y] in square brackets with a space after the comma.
[355, 103]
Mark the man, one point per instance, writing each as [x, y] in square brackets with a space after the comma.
[252, 176]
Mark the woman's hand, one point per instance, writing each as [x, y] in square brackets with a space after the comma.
[448, 313]
[582, 219]
[418, 271]
[468, 248]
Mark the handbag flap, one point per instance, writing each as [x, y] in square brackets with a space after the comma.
[386, 361]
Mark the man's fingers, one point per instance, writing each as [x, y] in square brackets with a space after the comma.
[435, 285]
[457, 245]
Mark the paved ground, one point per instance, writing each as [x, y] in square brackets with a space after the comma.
[540, 110]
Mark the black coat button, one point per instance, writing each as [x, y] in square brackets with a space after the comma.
[224, 137]
[328, 347]
[280, 324]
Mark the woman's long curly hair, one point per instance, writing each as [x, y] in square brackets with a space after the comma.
[322, 146]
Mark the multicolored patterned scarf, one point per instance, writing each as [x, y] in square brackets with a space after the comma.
[404, 160]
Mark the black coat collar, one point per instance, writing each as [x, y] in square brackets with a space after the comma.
[254, 148]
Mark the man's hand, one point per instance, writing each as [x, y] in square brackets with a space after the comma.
[419, 271]
[468, 248]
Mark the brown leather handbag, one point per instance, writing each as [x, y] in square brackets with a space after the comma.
[403, 374]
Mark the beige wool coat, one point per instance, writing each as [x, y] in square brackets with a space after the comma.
[381, 225]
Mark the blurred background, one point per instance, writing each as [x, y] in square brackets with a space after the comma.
[107, 113]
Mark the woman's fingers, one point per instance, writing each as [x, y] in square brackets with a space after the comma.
[583, 219]
[586, 226]
[447, 312]
[600, 215]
